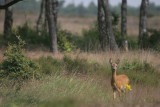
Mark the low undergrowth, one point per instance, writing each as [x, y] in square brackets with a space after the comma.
[49, 65]
[139, 72]
[60, 90]
[16, 67]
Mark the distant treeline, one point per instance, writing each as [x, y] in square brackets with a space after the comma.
[71, 9]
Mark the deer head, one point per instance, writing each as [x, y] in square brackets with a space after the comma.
[114, 65]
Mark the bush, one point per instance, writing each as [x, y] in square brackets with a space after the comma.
[140, 72]
[154, 39]
[137, 65]
[65, 42]
[132, 42]
[49, 65]
[30, 36]
[90, 39]
[78, 65]
[16, 66]
[151, 40]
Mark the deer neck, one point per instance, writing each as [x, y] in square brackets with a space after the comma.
[114, 76]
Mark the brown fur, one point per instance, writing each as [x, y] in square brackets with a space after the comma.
[118, 82]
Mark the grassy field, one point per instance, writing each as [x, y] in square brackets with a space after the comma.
[83, 80]
[85, 89]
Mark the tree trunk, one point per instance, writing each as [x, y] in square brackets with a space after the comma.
[40, 18]
[51, 7]
[104, 40]
[108, 23]
[124, 24]
[45, 19]
[8, 22]
[143, 23]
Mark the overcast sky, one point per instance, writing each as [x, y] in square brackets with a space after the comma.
[134, 3]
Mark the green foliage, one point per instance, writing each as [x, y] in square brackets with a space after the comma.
[90, 39]
[78, 65]
[137, 65]
[140, 72]
[49, 65]
[16, 66]
[65, 43]
[30, 36]
[115, 19]
[132, 42]
[154, 39]
[151, 40]
[143, 78]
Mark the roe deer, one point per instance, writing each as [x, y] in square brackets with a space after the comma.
[118, 82]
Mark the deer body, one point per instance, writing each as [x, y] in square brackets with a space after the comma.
[118, 82]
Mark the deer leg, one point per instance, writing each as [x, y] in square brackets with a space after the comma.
[119, 91]
[126, 91]
[114, 94]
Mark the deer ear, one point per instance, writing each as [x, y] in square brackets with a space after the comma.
[110, 61]
[118, 61]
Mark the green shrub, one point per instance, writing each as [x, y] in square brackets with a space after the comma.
[90, 39]
[132, 42]
[118, 36]
[154, 39]
[140, 72]
[65, 42]
[143, 78]
[30, 36]
[16, 66]
[49, 65]
[78, 65]
[137, 65]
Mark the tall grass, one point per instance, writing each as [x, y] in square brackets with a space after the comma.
[68, 90]
[84, 80]
[139, 72]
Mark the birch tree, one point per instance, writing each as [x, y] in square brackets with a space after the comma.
[51, 9]
[107, 38]
[124, 24]
[143, 23]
